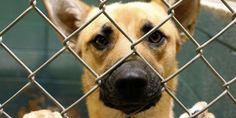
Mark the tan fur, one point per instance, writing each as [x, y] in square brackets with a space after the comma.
[130, 17]
[97, 61]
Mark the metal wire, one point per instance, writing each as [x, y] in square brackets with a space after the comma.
[32, 73]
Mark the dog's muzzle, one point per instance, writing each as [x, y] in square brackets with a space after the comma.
[132, 87]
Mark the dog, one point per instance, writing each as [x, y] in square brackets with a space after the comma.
[133, 88]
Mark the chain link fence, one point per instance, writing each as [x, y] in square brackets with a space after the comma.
[32, 79]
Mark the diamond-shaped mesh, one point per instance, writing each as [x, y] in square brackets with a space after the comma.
[32, 73]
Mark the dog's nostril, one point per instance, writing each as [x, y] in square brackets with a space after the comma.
[131, 82]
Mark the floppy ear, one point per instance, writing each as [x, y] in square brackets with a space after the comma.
[67, 15]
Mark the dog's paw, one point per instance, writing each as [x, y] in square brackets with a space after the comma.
[196, 108]
[43, 114]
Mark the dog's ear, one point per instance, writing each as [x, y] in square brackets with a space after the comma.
[67, 15]
[187, 13]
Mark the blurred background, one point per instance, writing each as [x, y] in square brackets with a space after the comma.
[34, 42]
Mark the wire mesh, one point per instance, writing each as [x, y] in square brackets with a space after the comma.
[32, 73]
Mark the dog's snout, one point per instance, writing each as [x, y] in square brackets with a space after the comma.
[131, 81]
[132, 84]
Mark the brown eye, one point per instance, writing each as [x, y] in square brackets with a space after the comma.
[156, 38]
[100, 42]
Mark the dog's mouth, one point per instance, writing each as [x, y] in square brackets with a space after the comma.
[132, 87]
[133, 107]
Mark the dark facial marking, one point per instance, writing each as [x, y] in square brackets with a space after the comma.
[106, 29]
[147, 27]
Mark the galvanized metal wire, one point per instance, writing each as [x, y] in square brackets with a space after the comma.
[32, 73]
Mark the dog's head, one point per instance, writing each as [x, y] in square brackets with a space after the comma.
[132, 86]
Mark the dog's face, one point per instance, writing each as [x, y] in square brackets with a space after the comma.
[132, 86]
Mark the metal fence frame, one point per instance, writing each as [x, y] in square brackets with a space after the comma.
[199, 55]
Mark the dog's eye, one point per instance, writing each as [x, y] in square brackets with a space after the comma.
[100, 42]
[156, 38]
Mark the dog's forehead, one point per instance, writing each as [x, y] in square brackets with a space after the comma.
[132, 12]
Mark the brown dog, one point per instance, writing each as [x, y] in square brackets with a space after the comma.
[132, 88]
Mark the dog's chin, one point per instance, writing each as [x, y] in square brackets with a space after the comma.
[132, 107]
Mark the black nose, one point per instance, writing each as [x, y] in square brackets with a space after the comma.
[131, 87]
[130, 80]
[130, 83]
